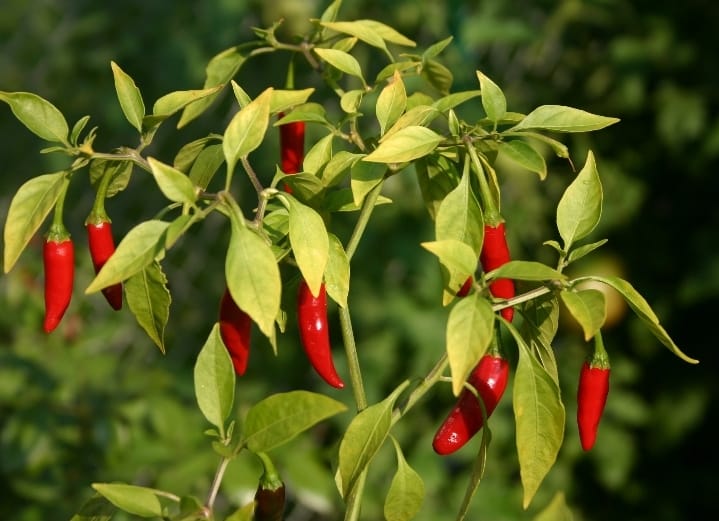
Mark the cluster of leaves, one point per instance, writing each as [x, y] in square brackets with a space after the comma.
[417, 127]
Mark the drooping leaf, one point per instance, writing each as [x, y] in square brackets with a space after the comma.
[337, 272]
[214, 381]
[280, 417]
[556, 510]
[309, 241]
[460, 217]
[525, 156]
[470, 329]
[588, 308]
[457, 260]
[364, 177]
[341, 60]
[174, 185]
[149, 300]
[247, 128]
[407, 144]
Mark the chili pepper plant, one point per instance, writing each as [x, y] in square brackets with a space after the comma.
[403, 120]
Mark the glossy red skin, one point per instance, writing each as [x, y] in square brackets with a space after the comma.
[102, 246]
[235, 329]
[59, 266]
[292, 146]
[494, 254]
[591, 399]
[465, 419]
[314, 333]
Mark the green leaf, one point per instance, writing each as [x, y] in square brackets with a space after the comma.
[364, 177]
[340, 162]
[221, 68]
[406, 491]
[435, 181]
[360, 29]
[343, 201]
[308, 112]
[206, 166]
[120, 175]
[525, 270]
[247, 129]
[493, 100]
[310, 245]
[77, 128]
[439, 76]
[244, 513]
[142, 244]
[580, 207]
[39, 116]
[174, 185]
[588, 308]
[559, 148]
[436, 49]
[388, 33]
[421, 115]
[283, 100]
[28, 209]
[149, 300]
[363, 438]
[279, 418]
[644, 312]
[337, 272]
[581, 251]
[129, 97]
[525, 156]
[350, 100]
[214, 381]
[391, 103]
[540, 327]
[318, 155]
[243, 99]
[470, 329]
[253, 277]
[539, 415]
[458, 261]
[556, 510]
[187, 155]
[97, 508]
[305, 186]
[341, 61]
[405, 145]
[460, 217]
[559, 118]
[173, 102]
[455, 99]
[139, 501]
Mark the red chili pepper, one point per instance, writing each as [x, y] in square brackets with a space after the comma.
[465, 419]
[292, 146]
[102, 246]
[464, 290]
[59, 264]
[592, 394]
[314, 333]
[235, 328]
[494, 254]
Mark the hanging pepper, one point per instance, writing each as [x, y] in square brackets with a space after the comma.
[235, 328]
[466, 287]
[494, 254]
[102, 246]
[592, 393]
[59, 265]
[314, 333]
[270, 494]
[489, 378]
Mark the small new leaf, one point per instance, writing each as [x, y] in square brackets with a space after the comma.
[580, 208]
[149, 301]
[493, 100]
[129, 97]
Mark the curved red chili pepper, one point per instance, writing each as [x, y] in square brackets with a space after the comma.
[591, 399]
[314, 333]
[464, 290]
[235, 329]
[494, 254]
[465, 419]
[59, 265]
[102, 246]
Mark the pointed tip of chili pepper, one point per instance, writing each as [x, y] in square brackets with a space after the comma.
[50, 323]
[113, 295]
[464, 290]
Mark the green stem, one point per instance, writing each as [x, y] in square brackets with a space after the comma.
[352, 359]
[98, 214]
[418, 392]
[126, 155]
[215, 488]
[600, 358]
[367, 208]
[250, 173]
[57, 231]
[354, 503]
[492, 217]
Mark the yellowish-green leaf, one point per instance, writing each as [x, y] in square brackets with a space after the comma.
[140, 501]
[175, 185]
[214, 381]
[342, 61]
[588, 308]
[406, 491]
[391, 102]
[580, 207]
[247, 129]
[129, 96]
[407, 144]
[39, 116]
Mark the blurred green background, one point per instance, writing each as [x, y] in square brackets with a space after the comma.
[96, 401]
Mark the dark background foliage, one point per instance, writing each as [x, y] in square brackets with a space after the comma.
[96, 401]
